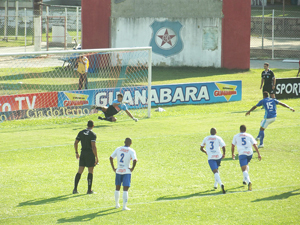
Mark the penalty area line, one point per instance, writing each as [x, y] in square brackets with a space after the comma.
[150, 202]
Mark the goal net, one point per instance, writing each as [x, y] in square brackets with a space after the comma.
[55, 83]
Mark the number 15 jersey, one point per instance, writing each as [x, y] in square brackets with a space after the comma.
[124, 156]
[269, 105]
[244, 142]
[213, 144]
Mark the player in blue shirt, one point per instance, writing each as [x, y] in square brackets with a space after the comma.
[116, 106]
[269, 105]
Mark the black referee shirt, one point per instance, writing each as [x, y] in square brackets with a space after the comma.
[268, 77]
[86, 136]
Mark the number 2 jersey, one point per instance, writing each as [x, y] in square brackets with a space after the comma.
[269, 105]
[213, 144]
[124, 156]
[244, 142]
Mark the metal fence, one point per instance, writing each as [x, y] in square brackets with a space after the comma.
[275, 35]
[60, 27]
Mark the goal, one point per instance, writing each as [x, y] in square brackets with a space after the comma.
[48, 84]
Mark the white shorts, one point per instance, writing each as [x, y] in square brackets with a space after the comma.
[266, 122]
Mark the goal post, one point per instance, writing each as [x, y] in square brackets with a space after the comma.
[52, 83]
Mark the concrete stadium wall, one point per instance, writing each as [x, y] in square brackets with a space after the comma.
[167, 8]
[136, 32]
[207, 37]
[131, 26]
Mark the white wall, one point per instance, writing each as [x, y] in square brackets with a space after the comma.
[137, 32]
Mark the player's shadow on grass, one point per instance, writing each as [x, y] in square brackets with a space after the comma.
[198, 194]
[88, 217]
[239, 112]
[202, 193]
[284, 195]
[48, 200]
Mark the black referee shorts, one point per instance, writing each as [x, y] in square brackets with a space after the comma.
[268, 89]
[87, 159]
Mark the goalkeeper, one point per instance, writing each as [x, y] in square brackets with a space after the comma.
[117, 106]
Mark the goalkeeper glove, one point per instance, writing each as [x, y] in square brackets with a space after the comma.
[135, 119]
[124, 102]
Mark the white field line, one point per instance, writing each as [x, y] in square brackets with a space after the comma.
[143, 203]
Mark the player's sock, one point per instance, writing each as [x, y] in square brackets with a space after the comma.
[90, 181]
[216, 184]
[125, 199]
[261, 136]
[248, 173]
[117, 197]
[218, 179]
[77, 178]
[108, 119]
[246, 177]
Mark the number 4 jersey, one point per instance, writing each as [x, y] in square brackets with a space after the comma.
[244, 143]
[213, 144]
[124, 155]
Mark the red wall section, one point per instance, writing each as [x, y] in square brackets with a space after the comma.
[95, 19]
[236, 27]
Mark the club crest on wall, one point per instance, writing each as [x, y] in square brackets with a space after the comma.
[166, 39]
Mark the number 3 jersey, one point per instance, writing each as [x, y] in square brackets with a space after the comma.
[244, 142]
[269, 105]
[124, 155]
[213, 144]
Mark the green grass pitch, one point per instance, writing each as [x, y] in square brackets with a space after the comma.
[172, 182]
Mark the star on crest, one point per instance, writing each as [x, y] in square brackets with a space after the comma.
[166, 38]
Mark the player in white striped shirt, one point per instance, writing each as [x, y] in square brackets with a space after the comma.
[244, 143]
[123, 172]
[213, 144]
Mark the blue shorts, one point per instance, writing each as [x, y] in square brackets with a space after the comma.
[123, 178]
[244, 159]
[214, 164]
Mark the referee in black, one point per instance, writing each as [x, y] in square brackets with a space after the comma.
[88, 156]
[268, 81]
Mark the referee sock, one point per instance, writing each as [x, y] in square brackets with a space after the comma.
[261, 136]
[125, 199]
[218, 179]
[246, 177]
[90, 181]
[117, 197]
[77, 178]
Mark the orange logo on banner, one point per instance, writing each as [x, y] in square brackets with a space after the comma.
[76, 99]
[225, 90]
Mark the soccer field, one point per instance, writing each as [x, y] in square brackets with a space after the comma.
[172, 182]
